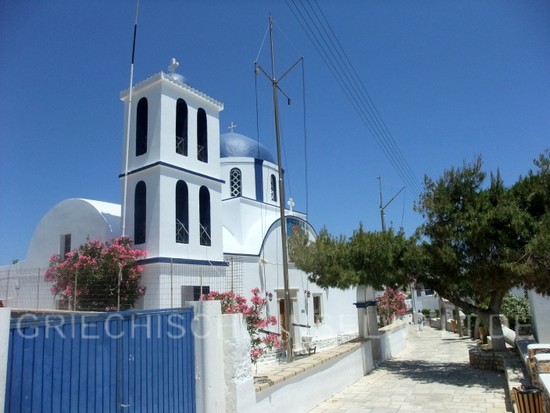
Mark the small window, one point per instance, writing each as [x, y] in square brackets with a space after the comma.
[193, 292]
[202, 136]
[141, 126]
[182, 213]
[273, 188]
[204, 216]
[317, 309]
[235, 179]
[140, 213]
[65, 244]
[181, 127]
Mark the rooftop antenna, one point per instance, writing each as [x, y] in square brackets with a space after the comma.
[275, 86]
[128, 123]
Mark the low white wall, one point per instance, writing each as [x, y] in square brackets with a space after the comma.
[224, 341]
[393, 339]
[308, 389]
[5, 314]
[239, 380]
[209, 357]
[540, 308]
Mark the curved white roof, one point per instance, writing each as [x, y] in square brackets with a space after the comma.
[83, 219]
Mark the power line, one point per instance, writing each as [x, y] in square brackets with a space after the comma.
[318, 29]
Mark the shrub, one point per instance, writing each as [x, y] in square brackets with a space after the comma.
[97, 276]
[260, 340]
[516, 309]
[391, 304]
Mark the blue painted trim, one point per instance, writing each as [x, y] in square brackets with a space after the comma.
[259, 181]
[177, 168]
[168, 260]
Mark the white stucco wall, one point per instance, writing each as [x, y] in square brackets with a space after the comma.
[82, 218]
[540, 312]
[4, 348]
[307, 389]
[239, 379]
[209, 357]
[393, 339]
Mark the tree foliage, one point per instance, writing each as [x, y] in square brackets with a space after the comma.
[516, 309]
[87, 278]
[533, 196]
[480, 241]
[366, 258]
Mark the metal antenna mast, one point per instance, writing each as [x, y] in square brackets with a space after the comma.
[128, 124]
[275, 86]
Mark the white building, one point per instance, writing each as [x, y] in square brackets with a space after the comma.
[206, 209]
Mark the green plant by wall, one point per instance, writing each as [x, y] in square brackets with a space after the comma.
[516, 309]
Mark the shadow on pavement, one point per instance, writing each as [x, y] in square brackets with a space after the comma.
[456, 374]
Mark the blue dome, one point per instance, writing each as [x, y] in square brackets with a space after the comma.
[236, 145]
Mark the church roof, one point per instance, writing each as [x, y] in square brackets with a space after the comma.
[234, 144]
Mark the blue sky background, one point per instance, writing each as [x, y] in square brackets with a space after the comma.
[451, 79]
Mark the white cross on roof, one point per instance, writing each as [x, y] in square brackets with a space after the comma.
[173, 65]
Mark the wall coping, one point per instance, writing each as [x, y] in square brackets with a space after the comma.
[273, 373]
[396, 325]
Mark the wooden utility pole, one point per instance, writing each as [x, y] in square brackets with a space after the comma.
[276, 89]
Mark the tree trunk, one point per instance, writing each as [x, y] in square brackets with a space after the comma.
[492, 320]
[497, 337]
[442, 313]
[495, 326]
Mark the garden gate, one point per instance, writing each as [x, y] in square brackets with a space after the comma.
[132, 361]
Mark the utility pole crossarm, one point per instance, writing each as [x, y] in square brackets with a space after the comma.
[382, 208]
[284, 250]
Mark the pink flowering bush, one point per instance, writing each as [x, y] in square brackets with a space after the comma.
[87, 278]
[260, 340]
[391, 305]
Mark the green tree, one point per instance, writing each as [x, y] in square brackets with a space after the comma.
[533, 196]
[366, 258]
[477, 241]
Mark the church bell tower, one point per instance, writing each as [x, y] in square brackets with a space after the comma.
[171, 170]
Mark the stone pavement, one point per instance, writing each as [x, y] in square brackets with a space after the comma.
[432, 375]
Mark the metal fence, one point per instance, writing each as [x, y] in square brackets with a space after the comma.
[166, 284]
[25, 288]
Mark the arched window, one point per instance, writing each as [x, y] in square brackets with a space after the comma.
[273, 188]
[140, 213]
[235, 178]
[182, 213]
[141, 126]
[204, 216]
[181, 127]
[202, 136]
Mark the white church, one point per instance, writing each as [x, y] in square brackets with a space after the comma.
[205, 207]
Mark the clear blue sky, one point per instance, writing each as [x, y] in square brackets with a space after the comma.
[451, 79]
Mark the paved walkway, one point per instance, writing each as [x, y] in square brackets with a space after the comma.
[433, 375]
